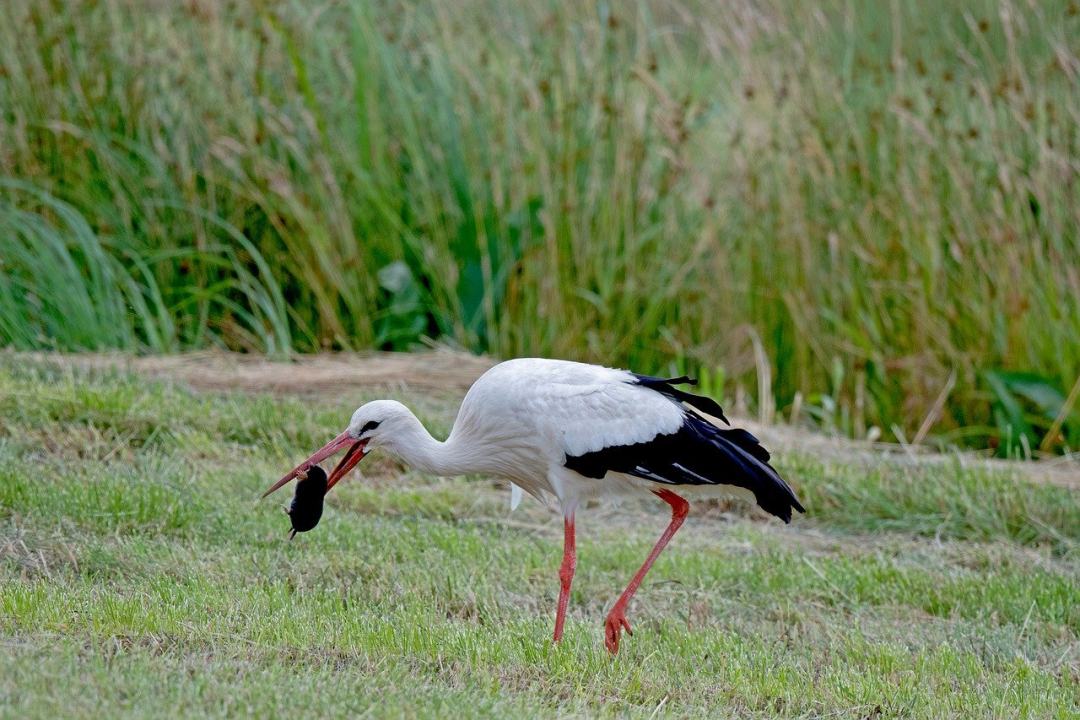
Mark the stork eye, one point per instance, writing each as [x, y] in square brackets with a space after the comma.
[369, 425]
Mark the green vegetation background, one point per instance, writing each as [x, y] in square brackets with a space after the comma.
[862, 214]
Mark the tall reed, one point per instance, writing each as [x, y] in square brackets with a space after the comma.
[836, 207]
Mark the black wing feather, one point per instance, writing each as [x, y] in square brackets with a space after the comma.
[665, 386]
[698, 453]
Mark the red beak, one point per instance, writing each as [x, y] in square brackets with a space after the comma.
[354, 455]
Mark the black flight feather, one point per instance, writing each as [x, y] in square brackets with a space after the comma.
[664, 386]
[698, 453]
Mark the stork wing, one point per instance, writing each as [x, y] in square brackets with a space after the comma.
[591, 416]
[640, 429]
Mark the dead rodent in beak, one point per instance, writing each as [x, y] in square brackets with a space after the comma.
[306, 507]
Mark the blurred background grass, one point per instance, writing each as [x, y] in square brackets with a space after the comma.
[860, 215]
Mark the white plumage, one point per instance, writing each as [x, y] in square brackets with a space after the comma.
[522, 418]
[567, 431]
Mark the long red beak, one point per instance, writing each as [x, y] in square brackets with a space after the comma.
[354, 455]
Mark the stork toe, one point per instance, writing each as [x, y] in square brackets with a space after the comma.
[614, 625]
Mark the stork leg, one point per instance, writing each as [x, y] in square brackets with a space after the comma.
[616, 619]
[566, 574]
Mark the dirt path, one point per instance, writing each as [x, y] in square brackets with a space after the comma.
[450, 373]
[304, 374]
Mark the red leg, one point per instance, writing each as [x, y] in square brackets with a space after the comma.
[616, 619]
[566, 574]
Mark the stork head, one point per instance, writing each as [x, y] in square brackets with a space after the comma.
[374, 424]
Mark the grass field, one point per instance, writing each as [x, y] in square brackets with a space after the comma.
[862, 214]
[139, 576]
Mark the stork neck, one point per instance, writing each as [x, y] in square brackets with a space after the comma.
[418, 449]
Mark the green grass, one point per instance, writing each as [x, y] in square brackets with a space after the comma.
[139, 576]
[848, 209]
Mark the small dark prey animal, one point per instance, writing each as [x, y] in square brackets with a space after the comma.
[305, 510]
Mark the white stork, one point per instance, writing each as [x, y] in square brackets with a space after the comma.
[572, 431]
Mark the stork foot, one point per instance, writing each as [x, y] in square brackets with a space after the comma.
[614, 625]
